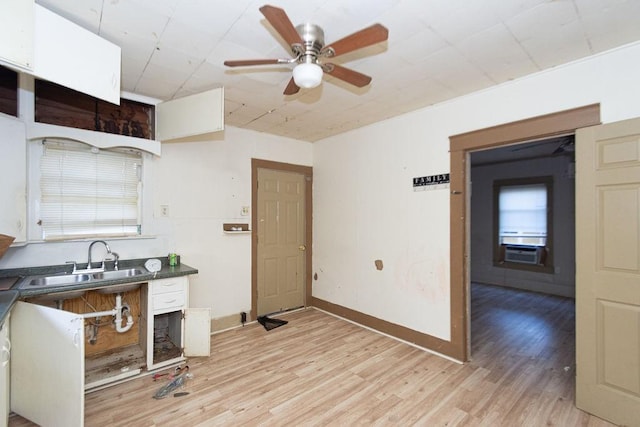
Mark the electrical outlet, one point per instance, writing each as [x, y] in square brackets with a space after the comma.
[164, 210]
[245, 211]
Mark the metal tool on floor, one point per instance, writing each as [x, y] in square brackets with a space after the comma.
[174, 384]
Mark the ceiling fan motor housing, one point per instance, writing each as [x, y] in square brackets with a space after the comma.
[313, 37]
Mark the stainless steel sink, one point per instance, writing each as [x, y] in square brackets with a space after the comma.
[66, 279]
[118, 289]
[57, 296]
[61, 280]
[117, 274]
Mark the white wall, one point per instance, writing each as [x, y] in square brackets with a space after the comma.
[205, 184]
[562, 280]
[365, 209]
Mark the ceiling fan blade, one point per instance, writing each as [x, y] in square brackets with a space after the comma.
[292, 88]
[246, 62]
[353, 77]
[282, 24]
[366, 37]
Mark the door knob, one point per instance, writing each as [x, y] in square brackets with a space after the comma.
[302, 247]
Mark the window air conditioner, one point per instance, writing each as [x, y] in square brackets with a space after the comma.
[523, 254]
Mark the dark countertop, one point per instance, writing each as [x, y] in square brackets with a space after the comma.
[9, 297]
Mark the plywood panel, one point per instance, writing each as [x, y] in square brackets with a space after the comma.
[58, 105]
[106, 338]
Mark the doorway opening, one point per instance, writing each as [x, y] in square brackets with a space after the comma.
[521, 262]
[537, 128]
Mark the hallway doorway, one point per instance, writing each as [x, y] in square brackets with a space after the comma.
[536, 128]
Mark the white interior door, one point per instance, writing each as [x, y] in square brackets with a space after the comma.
[608, 271]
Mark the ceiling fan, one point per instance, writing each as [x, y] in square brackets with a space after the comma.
[563, 144]
[307, 47]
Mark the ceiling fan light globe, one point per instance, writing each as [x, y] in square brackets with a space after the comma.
[307, 75]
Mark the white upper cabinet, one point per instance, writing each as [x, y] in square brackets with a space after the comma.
[39, 42]
[184, 118]
[71, 56]
[16, 33]
[13, 164]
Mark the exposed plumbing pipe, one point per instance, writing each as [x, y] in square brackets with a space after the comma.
[118, 311]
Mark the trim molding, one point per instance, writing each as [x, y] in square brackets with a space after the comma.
[403, 333]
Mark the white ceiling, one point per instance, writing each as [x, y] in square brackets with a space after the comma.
[437, 50]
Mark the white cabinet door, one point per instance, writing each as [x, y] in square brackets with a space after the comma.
[194, 115]
[13, 164]
[197, 332]
[16, 33]
[67, 54]
[5, 358]
[47, 365]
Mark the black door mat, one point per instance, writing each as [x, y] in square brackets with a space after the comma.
[270, 324]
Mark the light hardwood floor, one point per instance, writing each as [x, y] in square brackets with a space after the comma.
[321, 370]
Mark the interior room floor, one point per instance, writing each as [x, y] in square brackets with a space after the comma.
[322, 370]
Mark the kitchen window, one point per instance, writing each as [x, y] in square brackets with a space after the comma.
[523, 221]
[86, 192]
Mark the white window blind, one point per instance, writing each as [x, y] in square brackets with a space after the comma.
[523, 214]
[86, 192]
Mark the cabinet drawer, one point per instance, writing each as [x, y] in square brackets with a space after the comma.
[169, 300]
[173, 284]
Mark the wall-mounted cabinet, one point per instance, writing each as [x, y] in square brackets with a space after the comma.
[17, 33]
[192, 116]
[71, 56]
[13, 164]
[36, 41]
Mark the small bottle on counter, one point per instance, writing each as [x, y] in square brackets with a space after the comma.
[173, 259]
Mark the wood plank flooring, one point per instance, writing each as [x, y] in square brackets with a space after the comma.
[321, 370]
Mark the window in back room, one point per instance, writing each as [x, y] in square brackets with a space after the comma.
[522, 221]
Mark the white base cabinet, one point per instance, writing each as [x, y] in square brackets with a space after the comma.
[47, 383]
[5, 359]
[174, 331]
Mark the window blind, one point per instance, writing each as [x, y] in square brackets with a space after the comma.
[523, 214]
[86, 192]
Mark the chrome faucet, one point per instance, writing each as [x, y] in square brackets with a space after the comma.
[116, 258]
[91, 247]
